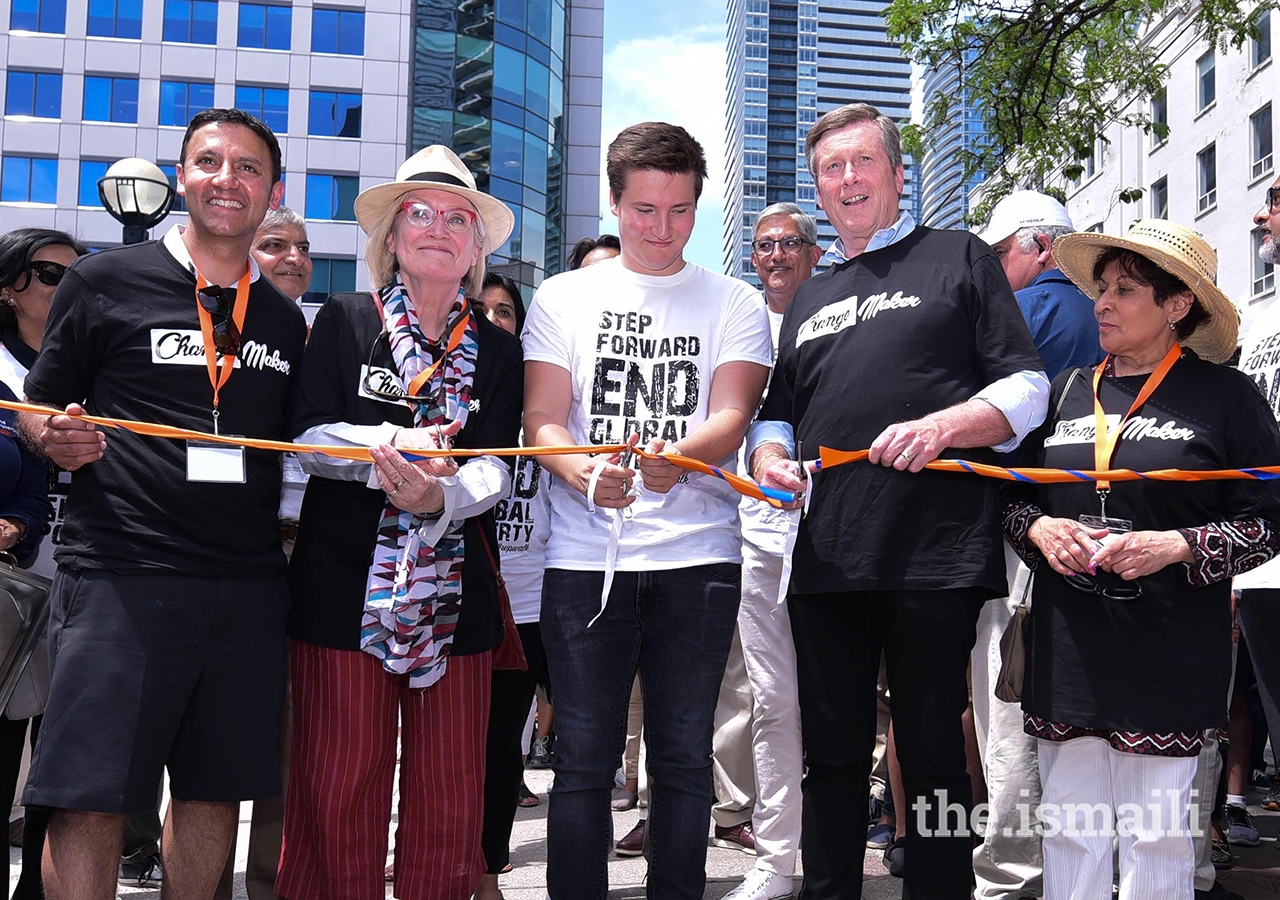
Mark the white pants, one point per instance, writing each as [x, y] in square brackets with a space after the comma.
[1208, 769]
[769, 655]
[1008, 863]
[1092, 794]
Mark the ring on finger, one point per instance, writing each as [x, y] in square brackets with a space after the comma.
[395, 490]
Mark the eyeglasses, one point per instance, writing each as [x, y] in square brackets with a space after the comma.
[1273, 198]
[217, 302]
[788, 245]
[48, 272]
[422, 215]
[1126, 590]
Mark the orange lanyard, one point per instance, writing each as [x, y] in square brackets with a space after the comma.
[414, 387]
[220, 368]
[1104, 442]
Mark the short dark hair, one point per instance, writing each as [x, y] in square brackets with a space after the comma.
[1163, 285]
[852, 114]
[508, 284]
[234, 117]
[586, 245]
[657, 146]
[17, 249]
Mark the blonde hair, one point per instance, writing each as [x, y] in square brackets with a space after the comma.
[383, 265]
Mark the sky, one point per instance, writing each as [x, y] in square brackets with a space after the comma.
[664, 61]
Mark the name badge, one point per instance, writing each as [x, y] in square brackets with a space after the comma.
[216, 463]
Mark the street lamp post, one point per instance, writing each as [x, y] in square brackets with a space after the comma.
[137, 195]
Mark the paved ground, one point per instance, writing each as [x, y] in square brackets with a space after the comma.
[1256, 876]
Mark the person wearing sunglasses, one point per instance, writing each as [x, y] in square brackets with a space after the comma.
[1129, 657]
[170, 554]
[396, 611]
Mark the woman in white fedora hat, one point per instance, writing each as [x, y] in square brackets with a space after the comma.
[1130, 651]
[396, 610]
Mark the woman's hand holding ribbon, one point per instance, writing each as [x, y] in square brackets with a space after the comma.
[430, 438]
[1141, 553]
[408, 487]
[1065, 543]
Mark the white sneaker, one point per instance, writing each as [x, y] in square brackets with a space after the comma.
[762, 884]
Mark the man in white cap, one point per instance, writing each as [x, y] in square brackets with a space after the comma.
[1022, 230]
[1008, 863]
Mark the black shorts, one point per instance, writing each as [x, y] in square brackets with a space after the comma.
[150, 671]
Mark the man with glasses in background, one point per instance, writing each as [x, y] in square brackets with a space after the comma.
[757, 753]
[168, 608]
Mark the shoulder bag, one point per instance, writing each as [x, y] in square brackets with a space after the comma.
[509, 655]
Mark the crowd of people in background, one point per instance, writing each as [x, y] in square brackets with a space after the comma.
[808, 678]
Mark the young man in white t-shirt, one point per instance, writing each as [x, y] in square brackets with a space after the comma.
[652, 348]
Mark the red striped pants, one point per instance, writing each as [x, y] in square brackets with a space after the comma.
[338, 808]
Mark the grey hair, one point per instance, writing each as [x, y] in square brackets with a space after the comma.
[852, 114]
[806, 223]
[1026, 237]
[276, 218]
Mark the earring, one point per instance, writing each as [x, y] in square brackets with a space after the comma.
[1173, 324]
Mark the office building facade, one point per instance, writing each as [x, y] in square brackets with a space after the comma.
[944, 189]
[789, 61]
[351, 87]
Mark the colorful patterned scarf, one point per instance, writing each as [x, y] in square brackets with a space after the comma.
[414, 591]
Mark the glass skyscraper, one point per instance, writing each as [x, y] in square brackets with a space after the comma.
[789, 61]
[944, 191]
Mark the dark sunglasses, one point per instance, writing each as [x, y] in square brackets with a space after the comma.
[1112, 590]
[47, 272]
[217, 302]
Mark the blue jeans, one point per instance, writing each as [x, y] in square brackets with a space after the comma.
[675, 625]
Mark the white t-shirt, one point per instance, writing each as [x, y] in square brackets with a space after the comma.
[641, 351]
[1260, 360]
[523, 519]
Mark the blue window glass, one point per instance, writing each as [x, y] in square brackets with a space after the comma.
[334, 114]
[191, 21]
[34, 94]
[337, 31]
[508, 75]
[555, 100]
[538, 16]
[535, 163]
[271, 105]
[536, 91]
[110, 99]
[180, 100]
[26, 179]
[506, 158]
[91, 172]
[115, 18]
[332, 197]
[511, 12]
[49, 16]
[330, 276]
[265, 27]
[557, 28]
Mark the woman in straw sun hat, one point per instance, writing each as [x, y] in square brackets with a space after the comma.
[1130, 651]
[395, 604]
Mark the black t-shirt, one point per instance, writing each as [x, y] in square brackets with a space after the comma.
[339, 522]
[889, 336]
[123, 337]
[1161, 662]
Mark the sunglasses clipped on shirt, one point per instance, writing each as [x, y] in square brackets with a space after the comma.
[48, 272]
[218, 303]
[1125, 590]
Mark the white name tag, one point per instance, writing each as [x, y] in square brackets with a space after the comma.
[218, 463]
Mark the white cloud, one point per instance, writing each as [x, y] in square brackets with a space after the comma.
[678, 79]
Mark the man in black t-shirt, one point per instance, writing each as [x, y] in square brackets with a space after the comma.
[167, 619]
[911, 345]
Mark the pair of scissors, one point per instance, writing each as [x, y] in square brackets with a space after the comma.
[804, 472]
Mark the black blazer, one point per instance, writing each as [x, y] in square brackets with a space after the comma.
[338, 525]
